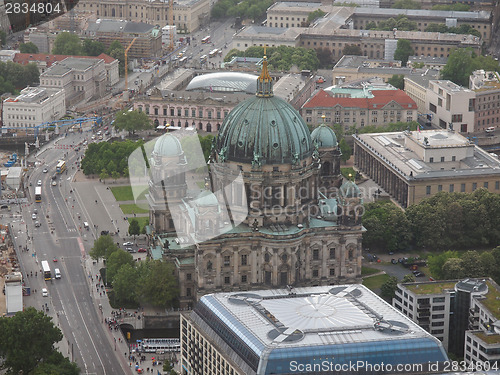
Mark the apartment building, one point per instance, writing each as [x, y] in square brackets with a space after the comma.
[44, 61]
[188, 15]
[34, 106]
[81, 79]
[379, 108]
[460, 313]
[147, 38]
[486, 86]
[451, 106]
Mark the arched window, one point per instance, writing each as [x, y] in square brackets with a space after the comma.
[200, 126]
[113, 12]
[156, 122]
[209, 127]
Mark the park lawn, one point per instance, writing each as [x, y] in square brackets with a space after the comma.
[375, 282]
[130, 209]
[366, 271]
[141, 220]
[124, 193]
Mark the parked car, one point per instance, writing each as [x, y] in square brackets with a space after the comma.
[131, 250]
[128, 243]
[142, 250]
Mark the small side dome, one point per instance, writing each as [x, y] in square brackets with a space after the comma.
[324, 137]
[350, 190]
[206, 199]
[167, 146]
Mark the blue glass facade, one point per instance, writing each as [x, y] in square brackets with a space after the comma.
[393, 352]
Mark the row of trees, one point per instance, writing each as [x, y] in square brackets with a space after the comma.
[411, 4]
[453, 265]
[70, 44]
[151, 282]
[401, 22]
[16, 76]
[246, 9]
[281, 58]
[462, 29]
[462, 62]
[446, 220]
[109, 157]
[27, 345]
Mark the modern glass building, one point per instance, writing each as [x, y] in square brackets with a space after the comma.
[315, 330]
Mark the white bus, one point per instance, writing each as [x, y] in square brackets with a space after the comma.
[47, 275]
[203, 59]
[160, 345]
[206, 40]
[213, 53]
[38, 194]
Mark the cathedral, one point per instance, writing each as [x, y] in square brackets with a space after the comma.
[274, 211]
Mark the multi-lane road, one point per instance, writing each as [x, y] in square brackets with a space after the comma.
[62, 236]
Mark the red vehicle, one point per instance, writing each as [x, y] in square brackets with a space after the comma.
[142, 250]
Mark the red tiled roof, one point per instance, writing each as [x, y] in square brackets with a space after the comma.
[381, 98]
[26, 58]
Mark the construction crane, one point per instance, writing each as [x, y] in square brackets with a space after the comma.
[171, 22]
[126, 65]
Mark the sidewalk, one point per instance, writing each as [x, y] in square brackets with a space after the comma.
[128, 359]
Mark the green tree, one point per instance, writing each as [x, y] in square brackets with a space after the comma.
[104, 175]
[387, 227]
[315, 15]
[168, 368]
[398, 81]
[403, 51]
[435, 262]
[388, 289]
[472, 265]
[453, 269]
[103, 247]
[115, 45]
[408, 278]
[134, 229]
[116, 260]
[325, 57]
[158, 284]
[352, 49]
[125, 284]
[460, 66]
[115, 175]
[27, 340]
[132, 121]
[29, 47]
[3, 37]
[345, 149]
[406, 4]
[456, 6]
[67, 44]
[93, 47]
[56, 363]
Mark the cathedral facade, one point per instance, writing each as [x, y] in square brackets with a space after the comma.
[276, 214]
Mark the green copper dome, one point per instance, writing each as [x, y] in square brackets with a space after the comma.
[266, 130]
[324, 137]
[167, 146]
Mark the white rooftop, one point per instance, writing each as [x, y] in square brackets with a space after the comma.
[312, 316]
